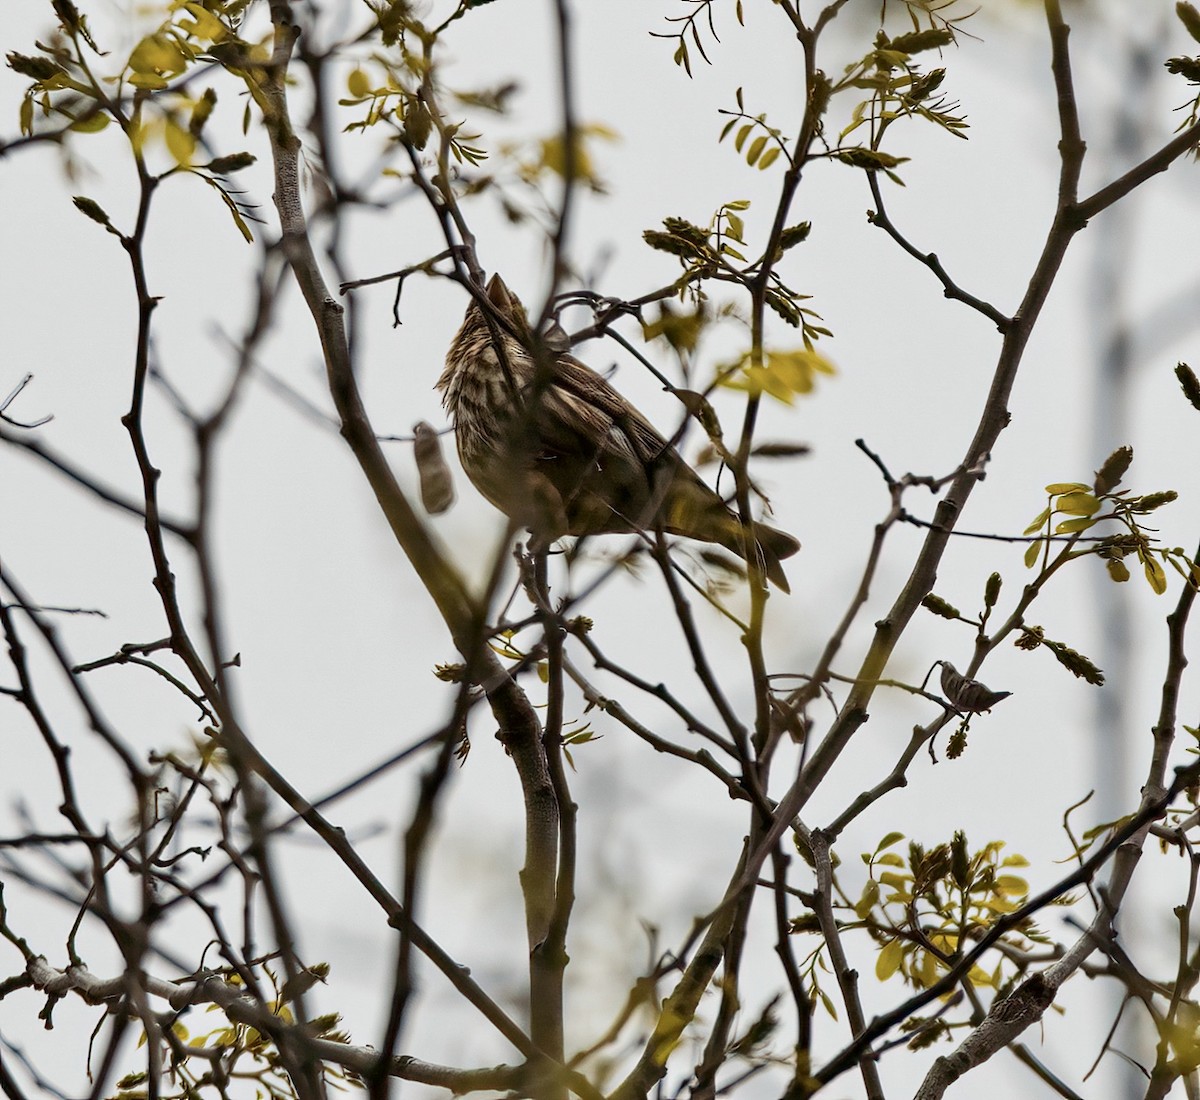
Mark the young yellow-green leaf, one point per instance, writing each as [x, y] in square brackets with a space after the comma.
[554, 153]
[740, 138]
[681, 330]
[769, 157]
[1117, 570]
[887, 60]
[25, 117]
[1156, 576]
[869, 899]
[1078, 504]
[149, 82]
[944, 942]
[1183, 1035]
[735, 228]
[358, 84]
[977, 976]
[888, 841]
[1070, 526]
[234, 212]
[204, 25]
[140, 131]
[1031, 554]
[888, 961]
[681, 57]
[927, 972]
[756, 148]
[1060, 487]
[158, 54]
[785, 374]
[1011, 886]
[181, 143]
[90, 124]
[1038, 523]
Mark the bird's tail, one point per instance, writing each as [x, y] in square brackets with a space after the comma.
[770, 544]
[774, 545]
[696, 511]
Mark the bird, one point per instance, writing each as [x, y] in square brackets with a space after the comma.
[968, 696]
[559, 450]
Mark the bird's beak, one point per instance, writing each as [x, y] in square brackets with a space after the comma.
[498, 294]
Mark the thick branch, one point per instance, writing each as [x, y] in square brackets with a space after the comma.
[243, 1009]
[439, 578]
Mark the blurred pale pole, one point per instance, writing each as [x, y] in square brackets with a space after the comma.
[1116, 350]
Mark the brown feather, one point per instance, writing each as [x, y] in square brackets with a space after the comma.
[565, 454]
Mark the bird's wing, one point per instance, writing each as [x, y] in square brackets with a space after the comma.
[579, 407]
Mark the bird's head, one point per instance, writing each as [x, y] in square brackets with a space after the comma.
[497, 312]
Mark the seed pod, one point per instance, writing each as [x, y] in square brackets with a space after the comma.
[437, 486]
[969, 696]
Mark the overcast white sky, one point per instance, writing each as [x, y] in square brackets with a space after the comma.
[337, 639]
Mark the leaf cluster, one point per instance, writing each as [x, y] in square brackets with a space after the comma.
[782, 374]
[148, 96]
[897, 88]
[925, 907]
[392, 89]
[1082, 506]
[768, 142]
[1188, 66]
[928, 905]
[237, 1051]
[687, 29]
[716, 251]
